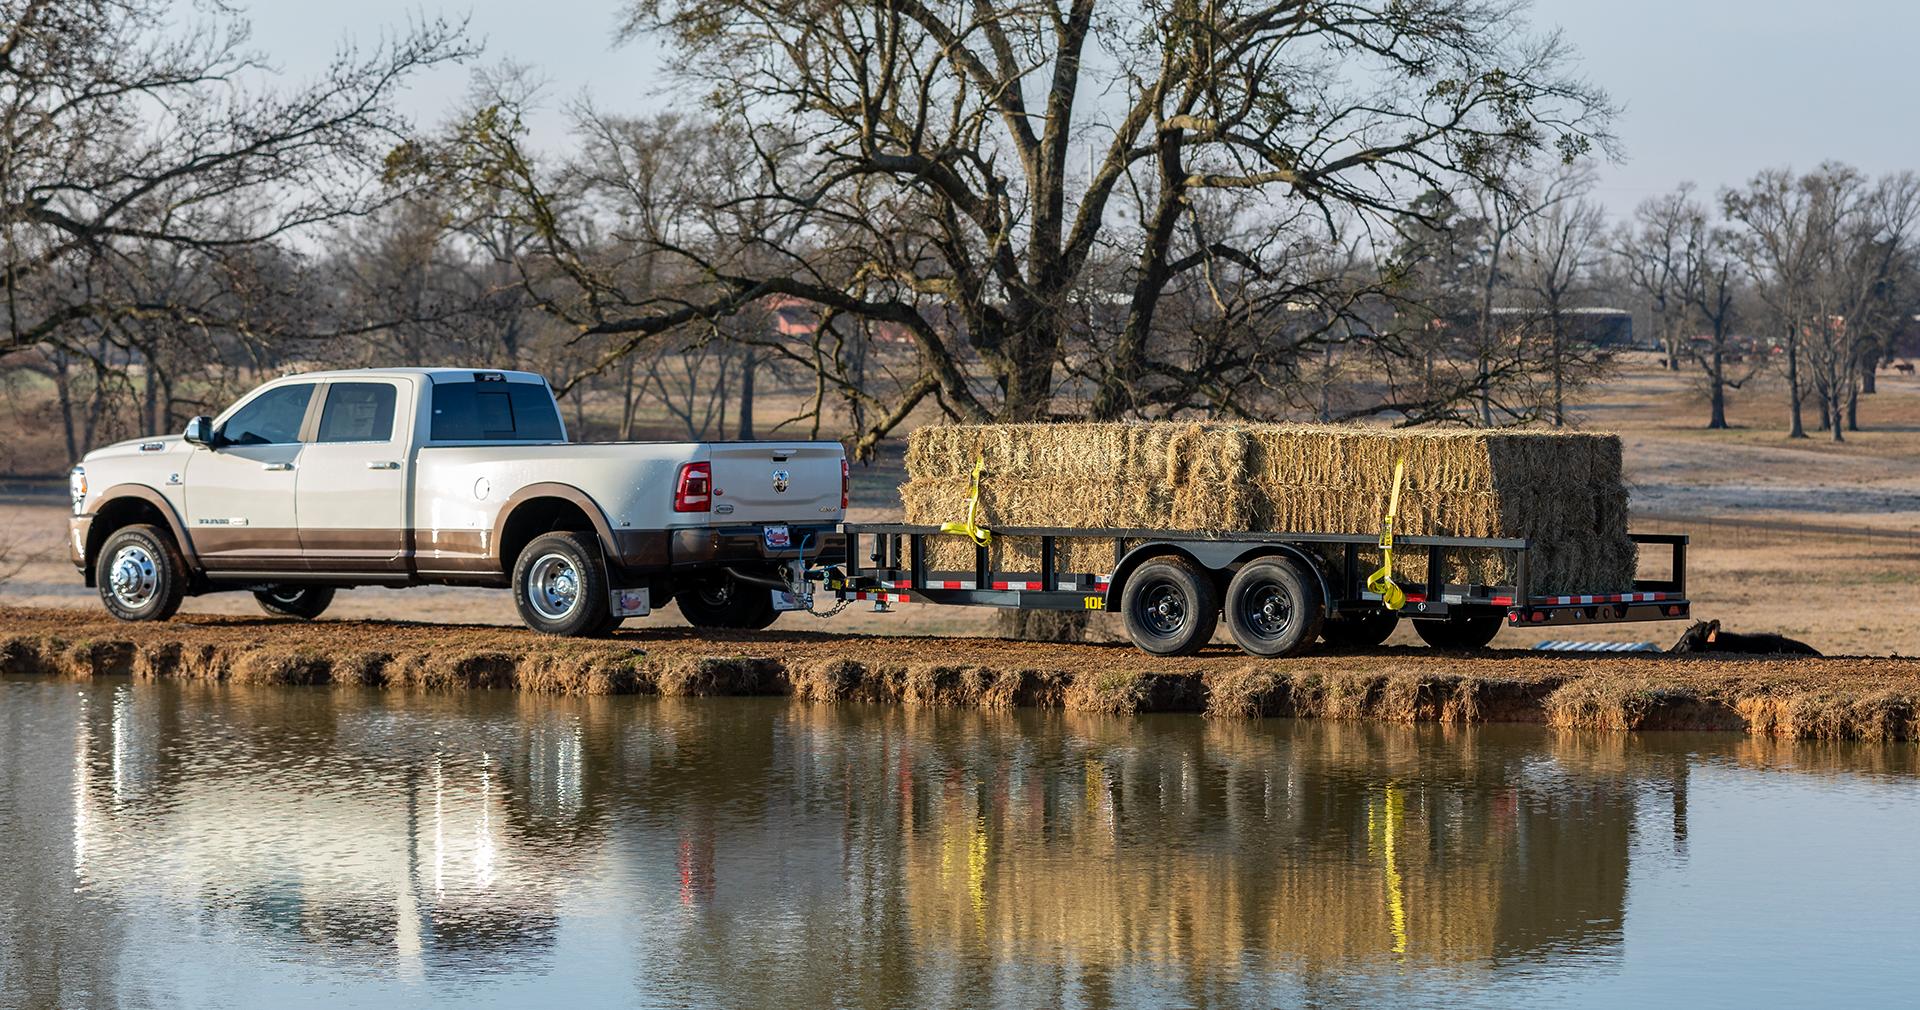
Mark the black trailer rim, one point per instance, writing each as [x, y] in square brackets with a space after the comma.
[1267, 610]
[1162, 608]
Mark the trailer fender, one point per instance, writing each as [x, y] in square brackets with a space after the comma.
[1219, 558]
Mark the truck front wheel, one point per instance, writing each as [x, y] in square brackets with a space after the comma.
[140, 574]
[722, 601]
[303, 602]
[560, 585]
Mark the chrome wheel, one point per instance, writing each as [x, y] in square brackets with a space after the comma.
[132, 577]
[553, 586]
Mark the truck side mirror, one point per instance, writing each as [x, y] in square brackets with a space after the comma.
[200, 432]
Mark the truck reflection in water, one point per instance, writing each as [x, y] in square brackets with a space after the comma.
[729, 850]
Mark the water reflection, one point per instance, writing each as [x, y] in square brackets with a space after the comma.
[759, 853]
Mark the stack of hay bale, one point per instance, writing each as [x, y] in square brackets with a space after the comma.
[1564, 492]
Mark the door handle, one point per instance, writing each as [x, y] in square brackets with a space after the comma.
[277, 466]
[382, 464]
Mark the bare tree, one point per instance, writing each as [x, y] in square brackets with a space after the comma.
[129, 140]
[922, 170]
[1559, 245]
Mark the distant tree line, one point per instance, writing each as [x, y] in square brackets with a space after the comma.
[1377, 210]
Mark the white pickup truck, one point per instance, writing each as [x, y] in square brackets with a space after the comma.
[411, 476]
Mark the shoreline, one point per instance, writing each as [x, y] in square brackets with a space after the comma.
[1790, 698]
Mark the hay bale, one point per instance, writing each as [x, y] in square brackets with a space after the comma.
[1563, 491]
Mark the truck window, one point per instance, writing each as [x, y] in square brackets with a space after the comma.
[494, 412]
[357, 412]
[272, 418]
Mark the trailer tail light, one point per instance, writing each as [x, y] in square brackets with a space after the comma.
[846, 482]
[693, 492]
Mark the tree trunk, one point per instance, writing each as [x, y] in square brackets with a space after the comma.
[1853, 406]
[747, 368]
[1798, 430]
[1559, 377]
[63, 387]
[1717, 380]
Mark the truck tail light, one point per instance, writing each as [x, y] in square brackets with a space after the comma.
[693, 492]
[846, 482]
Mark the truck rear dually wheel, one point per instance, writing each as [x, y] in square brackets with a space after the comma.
[560, 585]
[140, 574]
[303, 602]
[722, 601]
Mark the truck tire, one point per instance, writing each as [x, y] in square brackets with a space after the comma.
[141, 575]
[560, 585]
[724, 602]
[1460, 632]
[303, 602]
[1170, 607]
[1274, 608]
[1359, 629]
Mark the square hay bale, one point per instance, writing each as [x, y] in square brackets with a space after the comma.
[1563, 491]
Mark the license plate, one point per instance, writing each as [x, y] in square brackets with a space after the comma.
[778, 538]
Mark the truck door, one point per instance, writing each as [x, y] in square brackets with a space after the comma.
[239, 497]
[354, 478]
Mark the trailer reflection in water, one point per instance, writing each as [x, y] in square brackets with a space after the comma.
[232, 842]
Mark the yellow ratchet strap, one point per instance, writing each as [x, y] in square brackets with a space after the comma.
[1381, 581]
[969, 529]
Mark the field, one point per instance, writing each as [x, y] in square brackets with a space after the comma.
[1809, 539]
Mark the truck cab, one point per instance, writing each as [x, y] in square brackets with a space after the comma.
[400, 477]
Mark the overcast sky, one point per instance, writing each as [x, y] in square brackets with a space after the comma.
[1713, 90]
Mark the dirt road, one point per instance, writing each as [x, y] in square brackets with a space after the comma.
[1825, 699]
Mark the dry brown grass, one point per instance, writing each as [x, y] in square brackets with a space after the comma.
[1562, 490]
[1801, 699]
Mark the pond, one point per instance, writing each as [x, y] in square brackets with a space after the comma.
[182, 844]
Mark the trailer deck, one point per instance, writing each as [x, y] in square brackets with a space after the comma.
[886, 564]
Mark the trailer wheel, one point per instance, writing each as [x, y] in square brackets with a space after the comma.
[560, 585]
[722, 601]
[1273, 608]
[1359, 629]
[1460, 632]
[1170, 607]
[303, 602]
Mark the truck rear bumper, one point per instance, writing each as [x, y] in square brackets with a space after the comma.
[640, 553]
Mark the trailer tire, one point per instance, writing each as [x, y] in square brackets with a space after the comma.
[1274, 608]
[302, 602]
[1460, 632]
[560, 585]
[1359, 629]
[724, 602]
[141, 575]
[1170, 606]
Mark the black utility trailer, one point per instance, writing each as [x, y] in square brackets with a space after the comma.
[1279, 592]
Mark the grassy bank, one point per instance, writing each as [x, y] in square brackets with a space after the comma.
[1800, 699]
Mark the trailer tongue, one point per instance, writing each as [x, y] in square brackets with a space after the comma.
[1278, 592]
